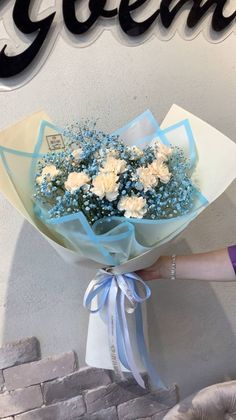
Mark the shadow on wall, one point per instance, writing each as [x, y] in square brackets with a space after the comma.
[192, 324]
[44, 297]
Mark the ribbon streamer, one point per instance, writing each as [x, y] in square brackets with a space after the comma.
[119, 295]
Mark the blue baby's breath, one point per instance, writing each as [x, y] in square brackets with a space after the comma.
[165, 200]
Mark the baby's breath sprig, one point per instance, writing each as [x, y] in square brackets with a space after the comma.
[101, 176]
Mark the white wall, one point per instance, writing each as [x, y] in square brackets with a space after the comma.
[192, 325]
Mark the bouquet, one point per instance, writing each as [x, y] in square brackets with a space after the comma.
[115, 200]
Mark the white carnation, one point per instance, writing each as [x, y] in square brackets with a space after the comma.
[118, 166]
[49, 173]
[76, 180]
[161, 170]
[77, 153]
[105, 185]
[147, 177]
[133, 206]
[162, 152]
[135, 152]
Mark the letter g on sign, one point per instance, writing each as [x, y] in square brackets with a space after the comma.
[11, 65]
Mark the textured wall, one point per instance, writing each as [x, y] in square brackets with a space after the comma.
[33, 388]
[192, 325]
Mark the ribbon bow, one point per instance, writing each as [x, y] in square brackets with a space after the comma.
[119, 295]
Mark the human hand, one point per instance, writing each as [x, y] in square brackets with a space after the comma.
[159, 270]
[210, 266]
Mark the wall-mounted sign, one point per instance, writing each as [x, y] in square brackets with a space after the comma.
[83, 21]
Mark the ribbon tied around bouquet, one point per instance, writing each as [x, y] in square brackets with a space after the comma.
[117, 296]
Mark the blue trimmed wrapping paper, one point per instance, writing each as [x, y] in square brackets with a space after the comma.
[120, 295]
[116, 294]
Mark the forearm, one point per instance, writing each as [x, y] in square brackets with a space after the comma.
[211, 266]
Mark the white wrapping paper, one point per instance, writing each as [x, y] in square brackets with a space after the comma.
[210, 142]
[215, 170]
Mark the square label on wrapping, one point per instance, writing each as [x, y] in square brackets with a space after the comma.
[55, 142]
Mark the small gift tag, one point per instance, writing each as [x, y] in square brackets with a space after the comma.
[55, 142]
[50, 138]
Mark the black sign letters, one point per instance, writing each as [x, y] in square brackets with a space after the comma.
[165, 14]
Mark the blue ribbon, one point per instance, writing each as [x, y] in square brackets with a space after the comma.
[119, 295]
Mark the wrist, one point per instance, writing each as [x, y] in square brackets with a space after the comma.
[165, 267]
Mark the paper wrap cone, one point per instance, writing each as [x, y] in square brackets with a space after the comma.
[97, 354]
[97, 329]
[224, 150]
[216, 167]
[215, 170]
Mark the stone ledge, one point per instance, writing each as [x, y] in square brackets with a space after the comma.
[67, 410]
[1, 380]
[150, 405]
[73, 384]
[113, 394]
[8, 418]
[40, 371]
[22, 351]
[21, 400]
[69, 393]
[106, 414]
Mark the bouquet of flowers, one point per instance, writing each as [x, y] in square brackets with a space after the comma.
[115, 200]
[100, 176]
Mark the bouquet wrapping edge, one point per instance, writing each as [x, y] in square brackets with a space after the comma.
[225, 151]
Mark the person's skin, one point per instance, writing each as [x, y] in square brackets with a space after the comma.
[211, 266]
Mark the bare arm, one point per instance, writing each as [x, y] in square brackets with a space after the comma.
[211, 266]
